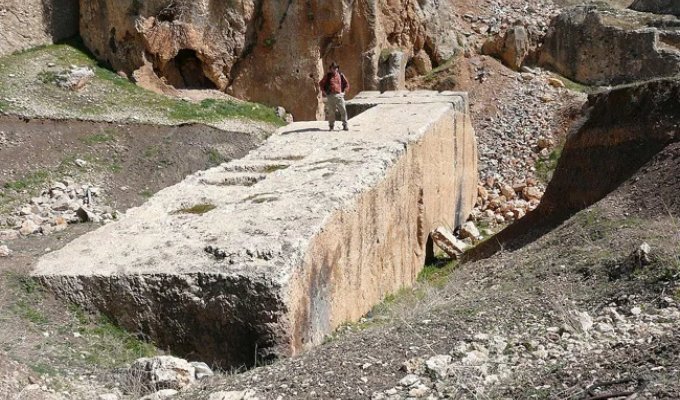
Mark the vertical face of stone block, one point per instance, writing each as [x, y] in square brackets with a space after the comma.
[305, 233]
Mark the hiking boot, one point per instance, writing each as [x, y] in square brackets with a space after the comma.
[331, 127]
[345, 127]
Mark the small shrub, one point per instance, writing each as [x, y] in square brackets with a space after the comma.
[215, 158]
[30, 181]
[546, 168]
[97, 138]
[47, 77]
[197, 209]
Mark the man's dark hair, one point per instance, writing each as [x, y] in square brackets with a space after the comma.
[335, 65]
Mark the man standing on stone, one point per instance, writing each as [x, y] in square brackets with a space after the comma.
[333, 86]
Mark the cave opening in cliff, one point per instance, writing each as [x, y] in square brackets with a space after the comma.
[185, 71]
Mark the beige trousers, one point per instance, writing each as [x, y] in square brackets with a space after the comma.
[336, 103]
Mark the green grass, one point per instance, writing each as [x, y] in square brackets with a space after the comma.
[112, 346]
[152, 151]
[215, 158]
[30, 181]
[442, 67]
[437, 274]
[107, 94]
[47, 77]
[274, 167]
[575, 86]
[146, 193]
[546, 167]
[197, 209]
[98, 138]
[27, 311]
[212, 110]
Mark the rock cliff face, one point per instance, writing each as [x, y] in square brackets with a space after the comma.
[657, 6]
[268, 51]
[30, 23]
[608, 46]
[622, 130]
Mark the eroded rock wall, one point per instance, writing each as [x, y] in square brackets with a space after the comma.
[606, 46]
[29, 23]
[621, 131]
[269, 51]
[305, 233]
[657, 6]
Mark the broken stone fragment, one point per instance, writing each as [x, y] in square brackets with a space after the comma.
[8, 234]
[469, 230]
[5, 251]
[29, 227]
[87, 215]
[445, 240]
[161, 372]
[438, 366]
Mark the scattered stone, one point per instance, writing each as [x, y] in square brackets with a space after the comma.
[5, 251]
[161, 394]
[642, 255]
[234, 395]
[108, 396]
[449, 244]
[202, 370]
[532, 193]
[438, 366]
[86, 215]
[556, 82]
[586, 321]
[7, 234]
[409, 380]
[29, 227]
[162, 372]
[469, 230]
[80, 163]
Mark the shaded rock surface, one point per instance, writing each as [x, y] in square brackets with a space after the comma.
[29, 23]
[606, 46]
[622, 130]
[264, 256]
[657, 6]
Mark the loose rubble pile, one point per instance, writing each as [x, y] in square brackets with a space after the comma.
[63, 203]
[489, 361]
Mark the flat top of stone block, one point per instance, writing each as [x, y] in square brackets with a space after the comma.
[458, 99]
[260, 211]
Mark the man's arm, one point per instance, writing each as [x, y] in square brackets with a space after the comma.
[346, 82]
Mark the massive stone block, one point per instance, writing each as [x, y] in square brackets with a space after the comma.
[268, 254]
[596, 45]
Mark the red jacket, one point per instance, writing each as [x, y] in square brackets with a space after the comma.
[334, 83]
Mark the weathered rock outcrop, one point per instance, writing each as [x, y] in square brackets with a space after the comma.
[30, 23]
[657, 6]
[623, 129]
[264, 50]
[268, 254]
[609, 46]
[511, 48]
